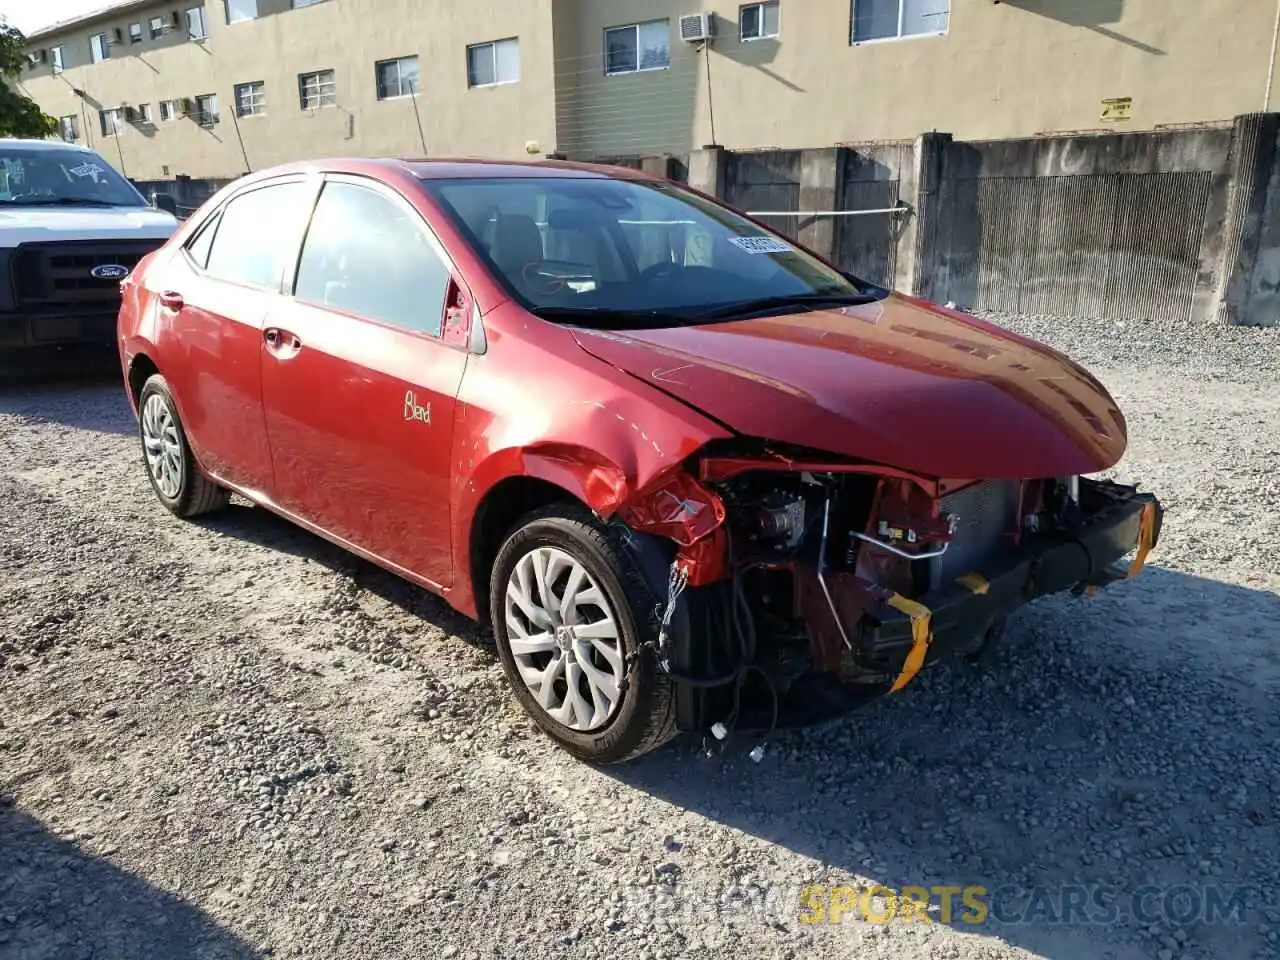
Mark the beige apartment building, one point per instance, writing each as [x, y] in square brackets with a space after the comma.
[212, 89]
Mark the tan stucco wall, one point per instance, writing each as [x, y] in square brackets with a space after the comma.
[1008, 69]
[345, 35]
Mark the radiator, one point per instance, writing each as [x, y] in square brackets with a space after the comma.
[987, 514]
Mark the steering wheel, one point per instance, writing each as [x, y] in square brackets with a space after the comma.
[656, 270]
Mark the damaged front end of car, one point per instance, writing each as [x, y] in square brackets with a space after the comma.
[793, 586]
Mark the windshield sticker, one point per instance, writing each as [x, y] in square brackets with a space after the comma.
[88, 169]
[756, 245]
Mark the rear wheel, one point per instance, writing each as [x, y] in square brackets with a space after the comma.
[570, 611]
[173, 472]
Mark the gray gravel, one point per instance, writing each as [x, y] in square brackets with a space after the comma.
[228, 738]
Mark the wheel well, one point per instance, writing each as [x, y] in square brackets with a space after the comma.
[507, 502]
[140, 370]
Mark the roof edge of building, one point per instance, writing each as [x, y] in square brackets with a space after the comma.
[106, 12]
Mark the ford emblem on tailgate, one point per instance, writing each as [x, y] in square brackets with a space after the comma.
[109, 271]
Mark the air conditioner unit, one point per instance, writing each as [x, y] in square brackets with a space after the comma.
[696, 27]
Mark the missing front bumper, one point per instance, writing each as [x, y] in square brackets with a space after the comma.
[889, 641]
[899, 643]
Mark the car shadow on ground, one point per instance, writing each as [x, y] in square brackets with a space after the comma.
[1045, 779]
[58, 902]
[264, 528]
[72, 401]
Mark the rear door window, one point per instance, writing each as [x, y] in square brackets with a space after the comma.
[257, 235]
[368, 254]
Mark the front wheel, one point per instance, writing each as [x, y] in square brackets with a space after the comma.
[174, 474]
[570, 611]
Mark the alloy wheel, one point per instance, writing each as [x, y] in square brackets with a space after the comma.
[161, 445]
[564, 638]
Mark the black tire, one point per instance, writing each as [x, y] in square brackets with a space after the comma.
[196, 494]
[646, 716]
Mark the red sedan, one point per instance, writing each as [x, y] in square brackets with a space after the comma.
[692, 475]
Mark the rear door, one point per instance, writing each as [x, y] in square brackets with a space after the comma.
[359, 387]
[217, 292]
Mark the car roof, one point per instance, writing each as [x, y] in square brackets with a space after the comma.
[453, 169]
[456, 168]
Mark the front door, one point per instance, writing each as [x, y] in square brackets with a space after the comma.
[358, 387]
[218, 290]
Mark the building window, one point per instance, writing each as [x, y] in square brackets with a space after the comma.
[155, 26]
[238, 10]
[168, 110]
[638, 46]
[396, 78]
[144, 113]
[251, 100]
[493, 63]
[99, 49]
[195, 24]
[69, 128]
[758, 21]
[110, 121]
[207, 109]
[318, 89]
[135, 33]
[55, 58]
[890, 19]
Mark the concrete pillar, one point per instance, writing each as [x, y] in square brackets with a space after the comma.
[906, 224]
[919, 250]
[820, 189]
[663, 166]
[707, 170]
[1250, 266]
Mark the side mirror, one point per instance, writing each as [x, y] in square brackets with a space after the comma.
[165, 202]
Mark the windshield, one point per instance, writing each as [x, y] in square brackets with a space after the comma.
[57, 176]
[593, 251]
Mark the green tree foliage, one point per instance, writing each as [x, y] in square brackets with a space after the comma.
[19, 115]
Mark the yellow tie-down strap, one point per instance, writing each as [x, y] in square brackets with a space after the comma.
[920, 616]
[1146, 536]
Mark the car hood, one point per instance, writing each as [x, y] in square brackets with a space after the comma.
[33, 224]
[899, 382]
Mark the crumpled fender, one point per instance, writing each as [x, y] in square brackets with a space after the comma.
[603, 451]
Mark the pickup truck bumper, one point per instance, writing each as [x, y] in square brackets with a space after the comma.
[34, 343]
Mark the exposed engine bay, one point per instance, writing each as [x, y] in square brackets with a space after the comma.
[799, 588]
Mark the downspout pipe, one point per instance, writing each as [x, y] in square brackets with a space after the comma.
[1271, 64]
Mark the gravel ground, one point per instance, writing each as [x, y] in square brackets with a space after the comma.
[228, 739]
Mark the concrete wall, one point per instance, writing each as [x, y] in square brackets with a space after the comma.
[1176, 225]
[1117, 226]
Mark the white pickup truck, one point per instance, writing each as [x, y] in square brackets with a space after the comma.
[71, 228]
